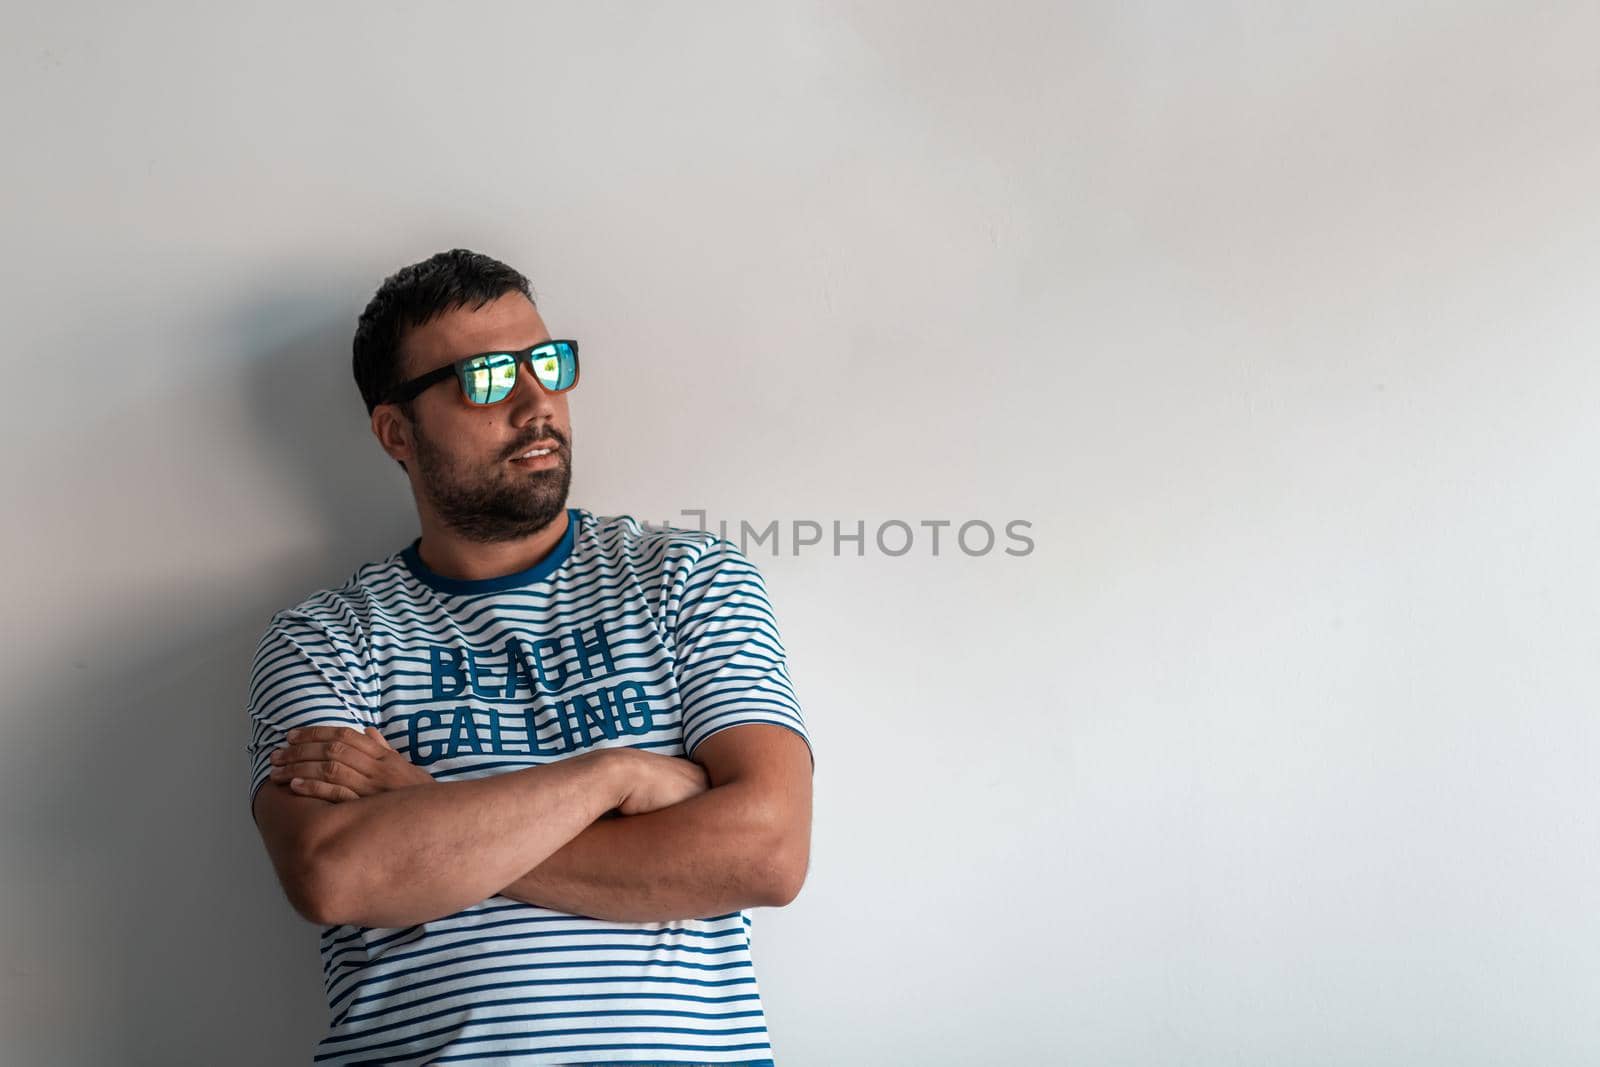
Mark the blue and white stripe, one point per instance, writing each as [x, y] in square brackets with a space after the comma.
[622, 635]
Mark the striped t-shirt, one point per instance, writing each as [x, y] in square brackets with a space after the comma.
[622, 635]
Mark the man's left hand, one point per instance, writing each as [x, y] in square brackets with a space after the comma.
[338, 763]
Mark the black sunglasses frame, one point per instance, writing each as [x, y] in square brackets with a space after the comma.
[408, 390]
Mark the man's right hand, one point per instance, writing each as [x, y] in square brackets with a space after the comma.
[339, 763]
[656, 781]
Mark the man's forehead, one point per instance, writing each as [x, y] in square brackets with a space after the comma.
[507, 322]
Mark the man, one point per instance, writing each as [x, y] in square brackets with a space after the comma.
[529, 771]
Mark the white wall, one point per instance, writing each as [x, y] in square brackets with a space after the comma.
[1277, 322]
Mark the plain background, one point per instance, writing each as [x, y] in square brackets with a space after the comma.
[1276, 321]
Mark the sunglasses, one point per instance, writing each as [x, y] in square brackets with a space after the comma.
[491, 377]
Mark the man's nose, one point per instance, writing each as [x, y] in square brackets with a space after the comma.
[530, 398]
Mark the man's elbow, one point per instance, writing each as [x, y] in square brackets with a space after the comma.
[316, 891]
[308, 843]
[786, 890]
[783, 874]
[309, 897]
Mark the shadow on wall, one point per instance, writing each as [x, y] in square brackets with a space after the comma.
[140, 895]
[312, 428]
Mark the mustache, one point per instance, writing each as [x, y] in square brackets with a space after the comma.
[551, 434]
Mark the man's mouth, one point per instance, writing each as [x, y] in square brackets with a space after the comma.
[537, 448]
[540, 455]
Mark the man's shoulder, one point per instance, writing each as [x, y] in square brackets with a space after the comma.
[647, 543]
[346, 610]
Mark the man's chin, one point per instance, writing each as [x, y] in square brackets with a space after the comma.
[505, 524]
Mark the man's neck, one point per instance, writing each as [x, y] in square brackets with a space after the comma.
[452, 556]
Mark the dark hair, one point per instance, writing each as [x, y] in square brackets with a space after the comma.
[413, 296]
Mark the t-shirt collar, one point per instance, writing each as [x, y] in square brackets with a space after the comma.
[467, 587]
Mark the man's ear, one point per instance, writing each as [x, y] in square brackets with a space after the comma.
[393, 432]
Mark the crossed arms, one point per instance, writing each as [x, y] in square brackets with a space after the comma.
[409, 853]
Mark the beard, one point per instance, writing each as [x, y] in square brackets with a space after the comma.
[490, 504]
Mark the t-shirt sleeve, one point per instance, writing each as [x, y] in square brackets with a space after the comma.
[302, 676]
[731, 664]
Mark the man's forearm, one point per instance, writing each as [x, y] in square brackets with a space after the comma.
[412, 855]
[714, 853]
